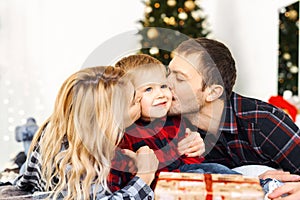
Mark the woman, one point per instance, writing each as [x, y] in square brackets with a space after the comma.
[71, 152]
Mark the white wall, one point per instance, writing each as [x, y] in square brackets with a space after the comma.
[250, 30]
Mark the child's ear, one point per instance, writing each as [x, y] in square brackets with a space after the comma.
[214, 92]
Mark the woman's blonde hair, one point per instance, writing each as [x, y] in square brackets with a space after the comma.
[78, 140]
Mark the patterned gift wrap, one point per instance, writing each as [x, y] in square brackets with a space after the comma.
[193, 186]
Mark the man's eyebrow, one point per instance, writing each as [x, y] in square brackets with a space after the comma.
[172, 71]
[178, 72]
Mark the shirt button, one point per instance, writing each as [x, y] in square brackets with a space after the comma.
[149, 198]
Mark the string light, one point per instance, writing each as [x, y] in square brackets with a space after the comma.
[156, 5]
[171, 3]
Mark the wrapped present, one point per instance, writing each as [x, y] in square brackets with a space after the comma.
[193, 186]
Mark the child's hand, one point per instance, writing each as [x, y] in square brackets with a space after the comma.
[131, 167]
[192, 145]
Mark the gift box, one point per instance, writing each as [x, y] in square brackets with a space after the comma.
[193, 186]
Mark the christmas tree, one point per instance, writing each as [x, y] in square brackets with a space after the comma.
[169, 22]
[288, 49]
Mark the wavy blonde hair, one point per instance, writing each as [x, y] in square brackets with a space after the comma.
[84, 118]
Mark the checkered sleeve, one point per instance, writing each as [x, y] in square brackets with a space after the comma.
[279, 140]
[119, 174]
[136, 189]
[31, 179]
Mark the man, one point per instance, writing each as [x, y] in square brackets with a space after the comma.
[237, 130]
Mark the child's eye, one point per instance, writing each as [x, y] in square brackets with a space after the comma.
[164, 86]
[148, 89]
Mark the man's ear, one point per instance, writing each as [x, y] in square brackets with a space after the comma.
[214, 92]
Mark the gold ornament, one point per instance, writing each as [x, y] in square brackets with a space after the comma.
[151, 19]
[281, 80]
[294, 69]
[148, 9]
[146, 44]
[171, 3]
[180, 10]
[156, 5]
[189, 5]
[286, 56]
[292, 14]
[196, 15]
[170, 21]
[154, 50]
[182, 16]
[152, 33]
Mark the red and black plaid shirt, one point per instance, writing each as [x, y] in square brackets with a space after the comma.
[161, 135]
[255, 132]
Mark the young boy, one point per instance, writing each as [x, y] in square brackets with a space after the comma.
[154, 128]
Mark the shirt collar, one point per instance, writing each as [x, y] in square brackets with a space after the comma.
[229, 117]
[156, 124]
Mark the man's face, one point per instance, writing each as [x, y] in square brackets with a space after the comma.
[186, 84]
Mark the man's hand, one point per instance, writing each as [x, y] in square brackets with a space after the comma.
[192, 145]
[280, 175]
[291, 189]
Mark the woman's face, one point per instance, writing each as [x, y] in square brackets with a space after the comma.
[134, 108]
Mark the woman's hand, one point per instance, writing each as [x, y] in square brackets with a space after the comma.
[192, 145]
[145, 161]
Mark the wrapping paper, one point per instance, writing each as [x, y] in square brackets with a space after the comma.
[192, 186]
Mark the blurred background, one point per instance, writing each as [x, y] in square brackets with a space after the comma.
[42, 42]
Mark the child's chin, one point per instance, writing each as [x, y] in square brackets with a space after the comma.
[159, 114]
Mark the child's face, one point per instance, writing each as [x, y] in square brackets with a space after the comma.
[156, 97]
